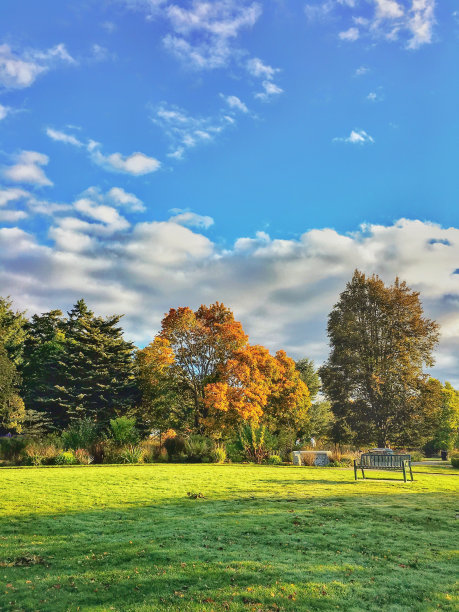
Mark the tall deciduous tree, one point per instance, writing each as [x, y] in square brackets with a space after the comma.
[12, 411]
[201, 342]
[258, 388]
[380, 341]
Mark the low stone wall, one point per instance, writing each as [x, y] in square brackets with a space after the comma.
[320, 458]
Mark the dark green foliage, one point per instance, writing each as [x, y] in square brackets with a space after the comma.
[198, 449]
[455, 461]
[309, 375]
[253, 442]
[374, 377]
[43, 367]
[11, 406]
[174, 446]
[97, 367]
[80, 434]
[12, 447]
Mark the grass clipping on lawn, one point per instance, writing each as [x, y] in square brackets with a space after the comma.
[226, 537]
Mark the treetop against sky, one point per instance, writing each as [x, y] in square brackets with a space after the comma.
[158, 153]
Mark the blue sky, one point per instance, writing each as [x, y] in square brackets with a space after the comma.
[157, 153]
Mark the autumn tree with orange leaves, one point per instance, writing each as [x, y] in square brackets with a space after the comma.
[200, 366]
[258, 388]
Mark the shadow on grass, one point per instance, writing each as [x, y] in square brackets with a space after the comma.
[367, 553]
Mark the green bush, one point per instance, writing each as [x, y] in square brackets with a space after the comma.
[80, 434]
[198, 449]
[66, 458]
[123, 431]
[252, 440]
[234, 452]
[174, 446]
[12, 448]
[274, 460]
[455, 461]
[219, 454]
[416, 455]
[132, 454]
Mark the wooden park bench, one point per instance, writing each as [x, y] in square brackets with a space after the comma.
[375, 461]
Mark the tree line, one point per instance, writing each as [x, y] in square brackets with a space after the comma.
[200, 374]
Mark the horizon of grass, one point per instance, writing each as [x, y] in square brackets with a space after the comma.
[262, 538]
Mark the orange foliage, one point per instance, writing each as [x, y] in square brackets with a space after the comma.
[154, 359]
[256, 384]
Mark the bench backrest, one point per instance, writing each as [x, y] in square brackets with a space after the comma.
[388, 461]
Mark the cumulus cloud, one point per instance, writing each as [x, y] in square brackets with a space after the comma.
[27, 169]
[135, 164]
[359, 137]
[4, 111]
[350, 35]
[124, 199]
[281, 289]
[258, 68]
[20, 70]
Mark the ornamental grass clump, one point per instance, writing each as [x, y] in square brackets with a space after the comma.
[83, 457]
[198, 449]
[36, 453]
[219, 454]
[80, 434]
[252, 440]
[132, 454]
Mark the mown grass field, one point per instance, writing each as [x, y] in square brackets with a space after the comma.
[262, 538]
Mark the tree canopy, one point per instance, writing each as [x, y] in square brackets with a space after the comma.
[380, 341]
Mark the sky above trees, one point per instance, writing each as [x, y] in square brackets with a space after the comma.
[157, 153]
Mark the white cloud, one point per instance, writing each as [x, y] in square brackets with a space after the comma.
[4, 111]
[27, 169]
[12, 194]
[359, 137]
[282, 290]
[186, 131]
[235, 103]
[350, 35]
[126, 200]
[256, 67]
[191, 219]
[135, 164]
[63, 137]
[361, 70]
[270, 89]
[12, 216]
[18, 71]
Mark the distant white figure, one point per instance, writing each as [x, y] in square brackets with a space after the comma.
[313, 442]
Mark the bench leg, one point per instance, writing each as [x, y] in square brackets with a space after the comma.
[363, 473]
[411, 473]
[404, 471]
[355, 470]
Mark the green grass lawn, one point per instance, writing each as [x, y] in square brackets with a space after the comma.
[262, 538]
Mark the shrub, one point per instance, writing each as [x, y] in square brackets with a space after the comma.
[131, 454]
[234, 452]
[123, 430]
[174, 446]
[12, 448]
[83, 457]
[416, 455]
[198, 449]
[455, 460]
[252, 439]
[36, 453]
[274, 460]
[80, 434]
[66, 458]
[219, 454]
